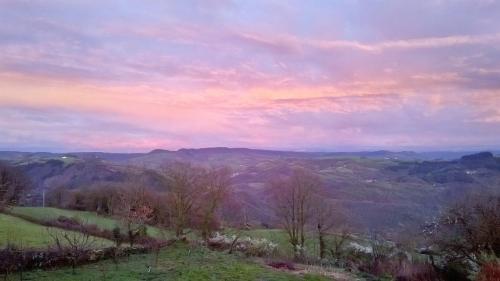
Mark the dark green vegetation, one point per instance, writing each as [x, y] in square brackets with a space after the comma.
[176, 262]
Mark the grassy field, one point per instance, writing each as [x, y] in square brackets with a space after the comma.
[19, 232]
[177, 262]
[280, 237]
[47, 214]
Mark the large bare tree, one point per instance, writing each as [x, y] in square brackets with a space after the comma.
[135, 210]
[293, 201]
[184, 181]
[216, 183]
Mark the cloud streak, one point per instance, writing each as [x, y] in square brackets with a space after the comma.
[317, 76]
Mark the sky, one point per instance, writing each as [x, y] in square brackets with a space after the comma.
[132, 76]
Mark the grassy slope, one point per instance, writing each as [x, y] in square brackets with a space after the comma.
[44, 214]
[26, 234]
[178, 262]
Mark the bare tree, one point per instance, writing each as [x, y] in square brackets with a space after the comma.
[183, 192]
[338, 243]
[74, 245]
[470, 230]
[135, 210]
[324, 219]
[215, 189]
[293, 202]
[57, 197]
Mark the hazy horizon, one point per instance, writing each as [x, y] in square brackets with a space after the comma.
[69, 151]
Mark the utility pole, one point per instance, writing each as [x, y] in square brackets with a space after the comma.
[43, 197]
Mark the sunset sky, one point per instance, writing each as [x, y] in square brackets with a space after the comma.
[291, 75]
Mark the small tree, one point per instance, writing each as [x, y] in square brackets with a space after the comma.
[74, 245]
[338, 243]
[324, 219]
[135, 211]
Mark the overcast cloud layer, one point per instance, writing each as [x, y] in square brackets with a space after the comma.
[299, 75]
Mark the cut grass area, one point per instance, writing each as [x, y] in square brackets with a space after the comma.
[102, 222]
[16, 231]
[177, 262]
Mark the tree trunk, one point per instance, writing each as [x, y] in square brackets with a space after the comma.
[321, 241]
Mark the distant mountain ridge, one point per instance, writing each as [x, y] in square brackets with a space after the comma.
[406, 155]
[378, 189]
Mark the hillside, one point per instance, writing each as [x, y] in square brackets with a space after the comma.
[375, 189]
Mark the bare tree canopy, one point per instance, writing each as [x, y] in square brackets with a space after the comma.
[216, 183]
[293, 202]
[135, 210]
[469, 230]
[184, 181]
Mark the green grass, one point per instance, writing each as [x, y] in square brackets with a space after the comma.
[177, 262]
[22, 233]
[47, 214]
[280, 237]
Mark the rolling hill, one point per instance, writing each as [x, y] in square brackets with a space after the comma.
[376, 190]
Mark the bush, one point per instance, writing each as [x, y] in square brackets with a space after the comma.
[250, 246]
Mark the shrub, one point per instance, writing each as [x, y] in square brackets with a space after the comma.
[250, 246]
[489, 272]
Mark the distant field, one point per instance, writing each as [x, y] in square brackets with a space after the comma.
[19, 232]
[178, 262]
[46, 214]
